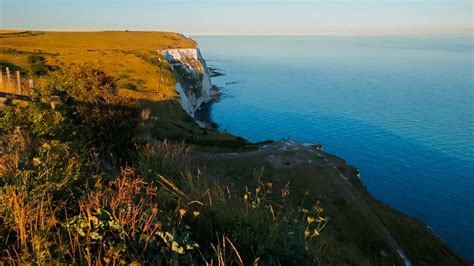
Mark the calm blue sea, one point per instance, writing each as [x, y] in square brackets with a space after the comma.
[400, 108]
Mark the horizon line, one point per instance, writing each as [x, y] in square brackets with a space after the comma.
[320, 33]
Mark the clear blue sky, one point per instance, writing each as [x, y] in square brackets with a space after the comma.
[241, 17]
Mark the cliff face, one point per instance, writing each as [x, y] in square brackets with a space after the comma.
[363, 231]
[193, 79]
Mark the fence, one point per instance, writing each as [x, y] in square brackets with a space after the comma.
[14, 83]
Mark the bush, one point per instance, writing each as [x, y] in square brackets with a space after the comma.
[37, 65]
[79, 106]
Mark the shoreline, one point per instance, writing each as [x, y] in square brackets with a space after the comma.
[203, 113]
[358, 215]
[381, 210]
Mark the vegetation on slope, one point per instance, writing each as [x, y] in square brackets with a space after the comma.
[69, 195]
[131, 58]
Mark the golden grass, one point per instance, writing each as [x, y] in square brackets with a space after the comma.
[5, 88]
[122, 55]
[132, 58]
[18, 59]
[11, 31]
[77, 42]
[128, 68]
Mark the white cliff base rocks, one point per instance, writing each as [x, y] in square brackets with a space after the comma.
[193, 79]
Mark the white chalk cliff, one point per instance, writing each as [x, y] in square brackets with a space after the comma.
[193, 79]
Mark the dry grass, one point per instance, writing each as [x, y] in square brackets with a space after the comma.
[133, 60]
[13, 150]
[11, 31]
[121, 54]
[8, 89]
[162, 211]
[69, 43]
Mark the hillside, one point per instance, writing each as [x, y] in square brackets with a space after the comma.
[361, 230]
[115, 171]
[132, 58]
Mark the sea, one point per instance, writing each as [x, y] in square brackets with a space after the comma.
[399, 108]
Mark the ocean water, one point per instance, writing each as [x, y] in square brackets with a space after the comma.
[400, 108]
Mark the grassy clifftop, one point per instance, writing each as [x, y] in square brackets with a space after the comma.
[132, 58]
[76, 42]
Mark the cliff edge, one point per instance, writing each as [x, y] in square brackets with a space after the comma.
[193, 81]
[361, 230]
[364, 229]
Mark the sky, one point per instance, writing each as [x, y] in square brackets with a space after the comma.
[273, 17]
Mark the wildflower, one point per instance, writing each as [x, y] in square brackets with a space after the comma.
[246, 197]
[46, 146]
[182, 212]
[307, 233]
[36, 161]
[305, 211]
[95, 236]
[196, 213]
[310, 219]
[316, 233]
[176, 248]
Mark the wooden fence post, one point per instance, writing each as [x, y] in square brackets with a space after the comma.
[1, 75]
[18, 82]
[8, 77]
[30, 86]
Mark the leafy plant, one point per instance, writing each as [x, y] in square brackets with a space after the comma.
[37, 65]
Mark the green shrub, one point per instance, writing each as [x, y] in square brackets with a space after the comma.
[37, 65]
[79, 106]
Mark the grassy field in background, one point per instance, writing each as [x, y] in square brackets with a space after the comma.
[76, 42]
[10, 31]
[132, 58]
[125, 55]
